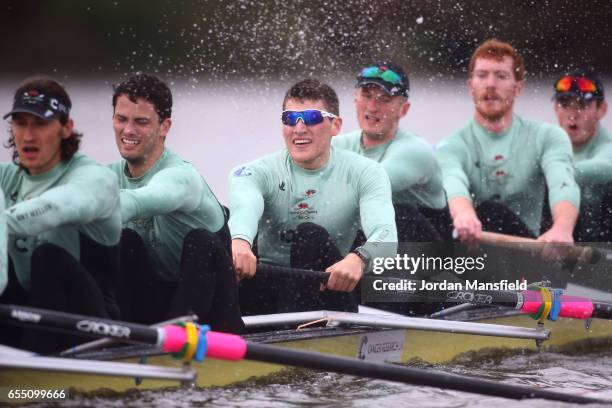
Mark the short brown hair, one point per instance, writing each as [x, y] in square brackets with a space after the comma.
[497, 50]
[148, 87]
[313, 90]
[68, 146]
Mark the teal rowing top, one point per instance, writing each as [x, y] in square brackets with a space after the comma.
[272, 195]
[75, 197]
[164, 205]
[513, 167]
[3, 246]
[593, 171]
[410, 163]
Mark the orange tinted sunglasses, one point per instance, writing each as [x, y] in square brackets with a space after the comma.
[583, 84]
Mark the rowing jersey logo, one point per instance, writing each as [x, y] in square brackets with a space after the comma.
[242, 172]
[310, 193]
[303, 211]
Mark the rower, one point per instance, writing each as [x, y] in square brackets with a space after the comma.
[498, 167]
[3, 246]
[580, 105]
[306, 204]
[381, 100]
[175, 241]
[63, 216]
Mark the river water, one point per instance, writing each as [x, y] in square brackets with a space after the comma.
[587, 374]
[217, 126]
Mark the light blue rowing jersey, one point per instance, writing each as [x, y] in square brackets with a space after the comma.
[273, 195]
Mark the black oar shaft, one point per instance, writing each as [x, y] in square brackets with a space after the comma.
[390, 372]
[275, 270]
[490, 298]
[477, 297]
[602, 310]
[71, 323]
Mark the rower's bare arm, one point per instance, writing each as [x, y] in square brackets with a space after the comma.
[465, 220]
[564, 216]
[345, 274]
[245, 262]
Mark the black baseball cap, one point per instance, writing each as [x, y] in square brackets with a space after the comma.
[46, 105]
[386, 74]
[584, 85]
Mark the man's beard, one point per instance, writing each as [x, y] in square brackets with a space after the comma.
[375, 135]
[494, 115]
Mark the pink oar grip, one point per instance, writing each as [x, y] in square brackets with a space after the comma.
[571, 306]
[531, 301]
[576, 307]
[176, 337]
[225, 346]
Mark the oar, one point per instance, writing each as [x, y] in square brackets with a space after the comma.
[283, 271]
[527, 301]
[96, 344]
[107, 368]
[233, 347]
[581, 253]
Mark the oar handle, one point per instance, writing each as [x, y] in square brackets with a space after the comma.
[575, 307]
[275, 270]
[577, 252]
[170, 338]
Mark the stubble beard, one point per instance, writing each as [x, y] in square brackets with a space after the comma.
[497, 115]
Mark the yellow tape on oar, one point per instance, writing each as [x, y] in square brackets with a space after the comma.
[189, 349]
[544, 310]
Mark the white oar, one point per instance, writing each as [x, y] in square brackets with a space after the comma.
[398, 322]
[70, 365]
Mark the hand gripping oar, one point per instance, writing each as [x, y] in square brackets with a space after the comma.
[543, 304]
[223, 346]
[581, 253]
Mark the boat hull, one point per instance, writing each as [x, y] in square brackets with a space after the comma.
[376, 345]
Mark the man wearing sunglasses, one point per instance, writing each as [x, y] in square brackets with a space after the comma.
[175, 241]
[499, 166]
[580, 105]
[305, 204]
[381, 100]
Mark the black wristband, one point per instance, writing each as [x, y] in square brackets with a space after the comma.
[363, 255]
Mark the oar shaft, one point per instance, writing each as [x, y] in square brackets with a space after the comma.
[577, 252]
[85, 325]
[171, 338]
[276, 270]
[396, 373]
[232, 347]
[602, 310]
[526, 301]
